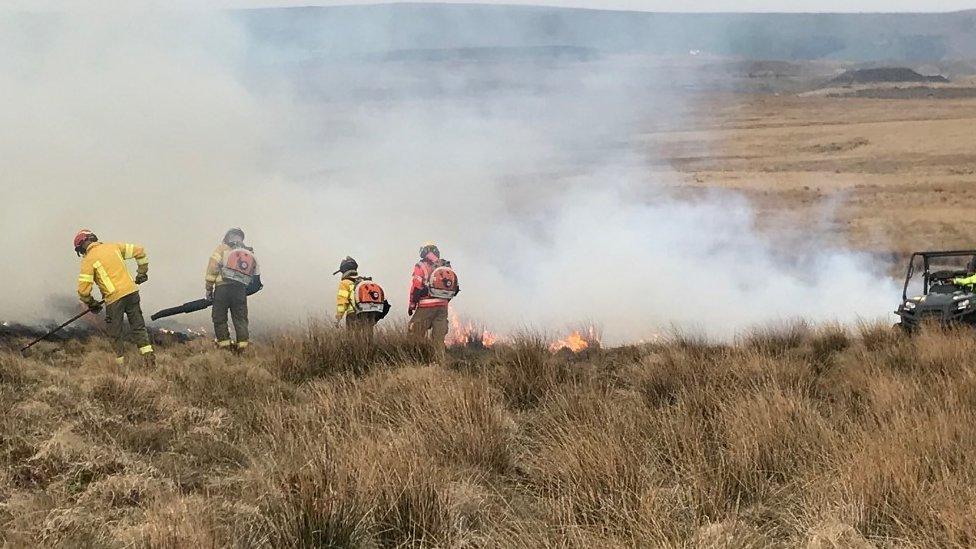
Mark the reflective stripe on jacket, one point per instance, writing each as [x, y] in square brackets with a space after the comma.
[213, 267]
[104, 265]
[418, 287]
[344, 296]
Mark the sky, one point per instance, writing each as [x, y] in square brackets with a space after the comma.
[646, 5]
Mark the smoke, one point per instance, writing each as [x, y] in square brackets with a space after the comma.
[166, 129]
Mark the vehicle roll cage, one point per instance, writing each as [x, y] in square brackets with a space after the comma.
[926, 262]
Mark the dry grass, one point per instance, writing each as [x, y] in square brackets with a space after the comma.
[876, 175]
[800, 436]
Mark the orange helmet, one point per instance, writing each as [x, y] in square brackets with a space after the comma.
[81, 238]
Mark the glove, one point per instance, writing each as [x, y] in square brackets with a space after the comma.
[94, 307]
[411, 310]
[141, 277]
[208, 295]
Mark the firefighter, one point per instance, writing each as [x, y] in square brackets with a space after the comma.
[232, 274]
[969, 281]
[432, 287]
[361, 313]
[103, 264]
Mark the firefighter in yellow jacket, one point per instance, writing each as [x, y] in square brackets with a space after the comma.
[345, 308]
[232, 274]
[360, 314]
[103, 264]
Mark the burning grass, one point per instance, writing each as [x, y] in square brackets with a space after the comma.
[811, 436]
[465, 333]
[468, 334]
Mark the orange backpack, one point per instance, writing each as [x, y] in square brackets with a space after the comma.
[442, 282]
[239, 265]
[368, 296]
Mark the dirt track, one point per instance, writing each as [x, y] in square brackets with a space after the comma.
[880, 175]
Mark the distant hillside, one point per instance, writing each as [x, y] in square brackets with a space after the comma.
[884, 75]
[379, 29]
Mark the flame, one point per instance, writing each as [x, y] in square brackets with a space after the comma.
[463, 334]
[189, 333]
[199, 332]
[577, 341]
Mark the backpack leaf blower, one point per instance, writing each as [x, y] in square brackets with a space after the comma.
[198, 305]
[186, 308]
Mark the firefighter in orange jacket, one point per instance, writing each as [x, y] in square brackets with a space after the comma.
[428, 313]
[104, 265]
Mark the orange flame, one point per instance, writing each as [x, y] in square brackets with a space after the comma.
[465, 333]
[462, 334]
[576, 342]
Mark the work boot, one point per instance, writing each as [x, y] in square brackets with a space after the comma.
[240, 347]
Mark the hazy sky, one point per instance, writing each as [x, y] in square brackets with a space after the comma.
[649, 5]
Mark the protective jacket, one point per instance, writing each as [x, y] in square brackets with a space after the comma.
[968, 281]
[344, 296]
[216, 267]
[104, 264]
[418, 286]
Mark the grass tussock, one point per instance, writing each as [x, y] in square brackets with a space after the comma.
[323, 351]
[800, 435]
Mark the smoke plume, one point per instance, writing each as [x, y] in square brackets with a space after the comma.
[166, 129]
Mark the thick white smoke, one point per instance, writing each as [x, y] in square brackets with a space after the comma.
[162, 129]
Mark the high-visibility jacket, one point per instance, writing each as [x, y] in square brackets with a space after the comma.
[216, 265]
[344, 296]
[104, 265]
[418, 286]
[968, 281]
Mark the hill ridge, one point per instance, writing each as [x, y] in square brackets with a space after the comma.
[895, 38]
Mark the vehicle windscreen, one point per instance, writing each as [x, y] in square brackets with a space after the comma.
[942, 269]
[916, 282]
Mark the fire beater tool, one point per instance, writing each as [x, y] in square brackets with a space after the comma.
[58, 329]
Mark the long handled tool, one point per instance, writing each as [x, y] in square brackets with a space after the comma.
[58, 329]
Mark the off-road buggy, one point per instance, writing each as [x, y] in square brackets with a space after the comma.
[934, 298]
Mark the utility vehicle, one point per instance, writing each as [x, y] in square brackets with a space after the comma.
[930, 296]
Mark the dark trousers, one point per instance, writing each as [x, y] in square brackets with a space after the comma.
[230, 296]
[362, 323]
[115, 314]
